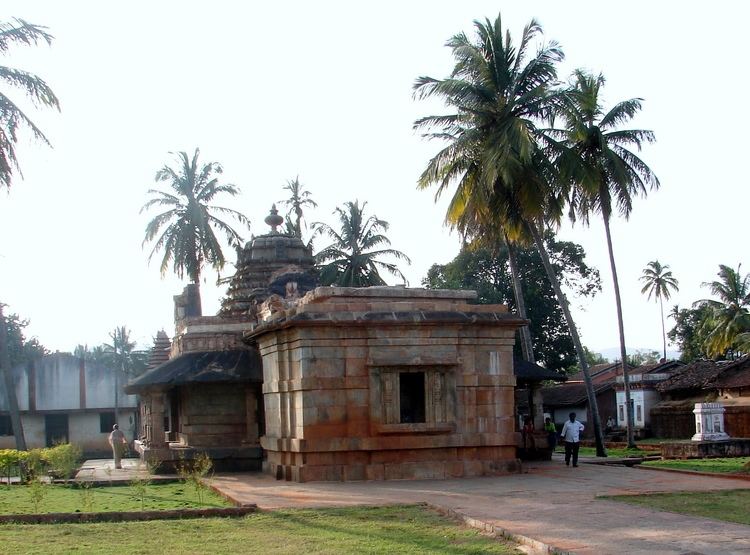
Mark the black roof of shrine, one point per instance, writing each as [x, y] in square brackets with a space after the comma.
[202, 367]
[526, 371]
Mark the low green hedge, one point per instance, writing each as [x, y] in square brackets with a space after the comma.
[61, 461]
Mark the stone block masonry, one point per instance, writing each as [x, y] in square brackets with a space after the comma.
[387, 383]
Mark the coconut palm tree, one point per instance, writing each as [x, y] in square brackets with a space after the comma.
[498, 157]
[728, 325]
[350, 260]
[185, 229]
[297, 201]
[659, 282]
[605, 173]
[12, 118]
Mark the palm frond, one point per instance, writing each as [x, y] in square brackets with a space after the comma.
[18, 31]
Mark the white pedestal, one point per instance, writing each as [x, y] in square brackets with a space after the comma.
[709, 422]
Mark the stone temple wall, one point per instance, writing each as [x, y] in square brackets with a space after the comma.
[388, 383]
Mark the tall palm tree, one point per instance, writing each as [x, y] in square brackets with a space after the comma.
[186, 229]
[297, 201]
[605, 174]
[497, 155]
[12, 118]
[350, 261]
[729, 323]
[659, 282]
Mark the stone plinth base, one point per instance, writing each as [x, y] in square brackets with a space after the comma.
[225, 459]
[719, 436]
[412, 464]
[735, 447]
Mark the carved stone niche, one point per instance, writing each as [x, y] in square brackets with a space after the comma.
[417, 399]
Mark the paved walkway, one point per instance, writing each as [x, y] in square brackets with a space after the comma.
[103, 470]
[549, 502]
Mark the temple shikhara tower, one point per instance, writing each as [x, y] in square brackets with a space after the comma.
[333, 383]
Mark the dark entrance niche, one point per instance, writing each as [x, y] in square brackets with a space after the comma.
[412, 397]
[56, 429]
[106, 421]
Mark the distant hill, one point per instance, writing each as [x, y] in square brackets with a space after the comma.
[613, 353]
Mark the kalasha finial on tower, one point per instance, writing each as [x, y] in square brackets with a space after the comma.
[273, 219]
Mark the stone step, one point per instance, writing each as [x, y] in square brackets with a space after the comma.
[214, 429]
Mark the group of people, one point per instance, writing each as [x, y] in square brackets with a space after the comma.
[570, 434]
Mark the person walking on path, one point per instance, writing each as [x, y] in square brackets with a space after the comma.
[571, 435]
[549, 427]
[118, 443]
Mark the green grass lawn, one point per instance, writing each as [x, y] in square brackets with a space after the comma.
[734, 464]
[611, 452]
[729, 505]
[412, 529]
[68, 499]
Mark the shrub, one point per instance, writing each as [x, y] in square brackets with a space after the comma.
[37, 491]
[87, 497]
[63, 460]
[193, 472]
[35, 464]
[10, 463]
[139, 486]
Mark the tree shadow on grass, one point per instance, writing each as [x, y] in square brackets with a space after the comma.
[393, 529]
[124, 492]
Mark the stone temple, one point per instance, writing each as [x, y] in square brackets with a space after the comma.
[333, 383]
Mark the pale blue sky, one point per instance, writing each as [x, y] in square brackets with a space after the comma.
[323, 90]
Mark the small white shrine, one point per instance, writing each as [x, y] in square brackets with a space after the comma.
[709, 422]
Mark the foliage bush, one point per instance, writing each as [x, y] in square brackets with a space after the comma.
[10, 462]
[35, 464]
[62, 460]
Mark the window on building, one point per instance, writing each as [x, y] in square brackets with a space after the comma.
[622, 413]
[106, 421]
[421, 398]
[412, 397]
[6, 427]
[638, 413]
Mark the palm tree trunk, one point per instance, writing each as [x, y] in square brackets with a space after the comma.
[195, 307]
[663, 331]
[10, 387]
[563, 301]
[621, 329]
[527, 350]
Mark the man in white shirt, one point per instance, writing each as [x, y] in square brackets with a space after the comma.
[571, 435]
